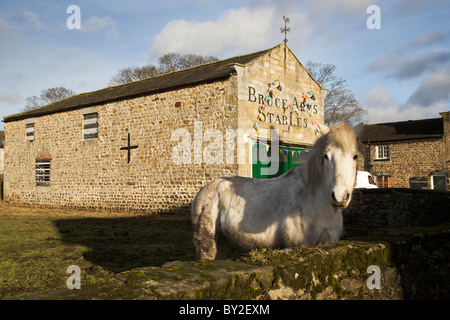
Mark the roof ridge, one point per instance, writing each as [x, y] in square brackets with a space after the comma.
[402, 121]
[429, 128]
[141, 87]
[192, 68]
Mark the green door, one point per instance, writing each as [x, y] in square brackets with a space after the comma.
[439, 183]
[288, 157]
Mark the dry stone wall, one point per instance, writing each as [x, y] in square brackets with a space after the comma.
[411, 266]
[385, 228]
[375, 209]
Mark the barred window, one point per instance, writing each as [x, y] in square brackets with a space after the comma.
[90, 126]
[30, 131]
[43, 171]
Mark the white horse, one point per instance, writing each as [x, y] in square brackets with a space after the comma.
[301, 207]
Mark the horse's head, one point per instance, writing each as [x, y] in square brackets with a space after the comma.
[333, 164]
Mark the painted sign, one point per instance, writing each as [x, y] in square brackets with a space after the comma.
[297, 111]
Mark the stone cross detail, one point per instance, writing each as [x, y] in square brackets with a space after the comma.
[128, 148]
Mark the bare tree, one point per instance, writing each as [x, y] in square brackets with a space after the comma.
[47, 96]
[170, 62]
[167, 63]
[340, 104]
[174, 61]
[131, 74]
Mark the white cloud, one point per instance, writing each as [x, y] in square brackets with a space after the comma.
[434, 88]
[348, 6]
[5, 28]
[245, 28]
[382, 107]
[257, 26]
[75, 60]
[10, 97]
[33, 20]
[411, 7]
[428, 39]
[402, 67]
[98, 24]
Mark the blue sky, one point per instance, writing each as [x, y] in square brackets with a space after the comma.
[398, 72]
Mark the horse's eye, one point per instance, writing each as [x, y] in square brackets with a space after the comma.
[325, 156]
[355, 157]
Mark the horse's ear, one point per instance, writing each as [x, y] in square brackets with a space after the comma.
[323, 129]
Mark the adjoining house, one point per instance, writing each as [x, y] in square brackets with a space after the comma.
[151, 145]
[408, 154]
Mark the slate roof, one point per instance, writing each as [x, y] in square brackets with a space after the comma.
[404, 130]
[206, 73]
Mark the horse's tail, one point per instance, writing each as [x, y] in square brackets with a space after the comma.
[205, 214]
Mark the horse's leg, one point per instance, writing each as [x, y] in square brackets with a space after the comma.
[205, 236]
[316, 235]
[323, 237]
[205, 210]
[224, 247]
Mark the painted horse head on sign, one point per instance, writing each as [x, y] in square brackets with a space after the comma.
[301, 207]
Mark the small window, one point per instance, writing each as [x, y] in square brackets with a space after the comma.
[90, 126]
[43, 171]
[383, 153]
[30, 131]
[384, 181]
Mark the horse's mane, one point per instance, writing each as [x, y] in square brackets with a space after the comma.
[340, 136]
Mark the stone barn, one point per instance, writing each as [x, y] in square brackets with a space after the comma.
[150, 145]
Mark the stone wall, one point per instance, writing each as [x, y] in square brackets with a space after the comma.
[374, 209]
[405, 233]
[413, 265]
[95, 173]
[408, 159]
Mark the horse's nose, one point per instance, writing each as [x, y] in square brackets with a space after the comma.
[344, 198]
[342, 203]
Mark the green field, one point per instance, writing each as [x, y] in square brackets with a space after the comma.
[38, 245]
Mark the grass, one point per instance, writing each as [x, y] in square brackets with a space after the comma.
[38, 245]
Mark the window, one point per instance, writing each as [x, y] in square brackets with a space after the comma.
[90, 126]
[384, 181]
[383, 153]
[43, 171]
[30, 131]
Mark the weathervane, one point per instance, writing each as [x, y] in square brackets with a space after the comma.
[285, 29]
